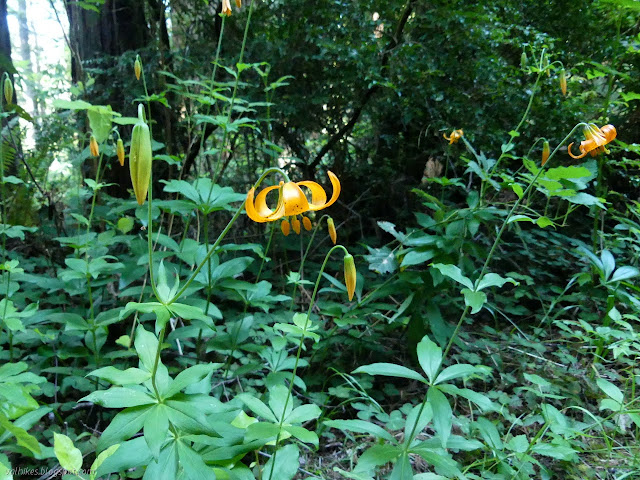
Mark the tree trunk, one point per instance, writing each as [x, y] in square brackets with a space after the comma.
[25, 53]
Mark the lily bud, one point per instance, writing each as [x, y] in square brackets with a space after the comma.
[238, 3]
[137, 68]
[295, 224]
[350, 275]
[523, 60]
[332, 230]
[140, 158]
[563, 82]
[120, 151]
[306, 223]
[93, 146]
[8, 89]
[285, 227]
[546, 150]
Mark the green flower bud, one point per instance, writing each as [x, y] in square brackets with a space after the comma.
[140, 157]
[8, 89]
[350, 275]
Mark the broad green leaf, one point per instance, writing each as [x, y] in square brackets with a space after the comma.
[361, 426]
[286, 464]
[611, 390]
[119, 397]
[70, 457]
[489, 433]
[123, 426]
[101, 458]
[442, 414]
[146, 345]
[559, 452]
[624, 273]
[475, 300]
[377, 455]
[519, 444]
[413, 425]
[190, 376]
[402, 469]
[493, 280]
[414, 257]
[257, 407]
[454, 273]
[193, 464]
[156, 427]
[381, 260]
[130, 376]
[22, 437]
[429, 357]
[456, 371]
[390, 370]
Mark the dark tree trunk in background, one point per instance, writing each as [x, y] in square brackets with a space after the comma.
[99, 40]
[5, 41]
[120, 26]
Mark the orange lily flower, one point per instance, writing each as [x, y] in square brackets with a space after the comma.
[595, 140]
[454, 137]
[292, 201]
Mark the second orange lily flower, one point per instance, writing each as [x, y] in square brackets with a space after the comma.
[595, 140]
[292, 201]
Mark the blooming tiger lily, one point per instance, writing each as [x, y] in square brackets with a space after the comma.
[292, 201]
[454, 137]
[595, 140]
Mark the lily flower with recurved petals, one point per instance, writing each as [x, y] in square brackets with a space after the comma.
[595, 140]
[454, 137]
[292, 201]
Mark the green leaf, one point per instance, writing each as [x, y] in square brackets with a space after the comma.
[123, 426]
[156, 427]
[475, 300]
[414, 257]
[146, 345]
[414, 425]
[193, 464]
[21, 435]
[610, 390]
[381, 260]
[119, 397]
[454, 273]
[100, 121]
[71, 104]
[493, 280]
[543, 222]
[402, 469]
[429, 357]
[101, 458]
[624, 273]
[457, 371]
[390, 370]
[257, 406]
[559, 452]
[361, 426]
[130, 376]
[286, 464]
[70, 457]
[190, 376]
[489, 433]
[442, 414]
[377, 455]
[519, 444]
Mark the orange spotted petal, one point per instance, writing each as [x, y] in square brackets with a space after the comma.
[336, 193]
[574, 156]
[295, 201]
[318, 195]
[261, 203]
[251, 209]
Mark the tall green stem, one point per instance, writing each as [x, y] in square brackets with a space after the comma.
[299, 351]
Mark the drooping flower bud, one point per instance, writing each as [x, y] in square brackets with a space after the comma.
[93, 146]
[238, 3]
[563, 82]
[226, 7]
[137, 68]
[306, 223]
[523, 60]
[332, 230]
[350, 275]
[140, 157]
[285, 227]
[546, 150]
[295, 224]
[8, 89]
[120, 151]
